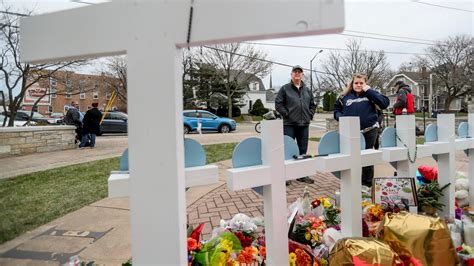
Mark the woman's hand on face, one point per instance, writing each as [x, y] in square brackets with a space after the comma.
[366, 87]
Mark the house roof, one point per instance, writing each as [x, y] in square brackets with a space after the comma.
[247, 77]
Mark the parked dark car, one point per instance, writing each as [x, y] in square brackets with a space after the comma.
[37, 117]
[114, 122]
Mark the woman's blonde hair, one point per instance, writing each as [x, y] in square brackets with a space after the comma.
[348, 89]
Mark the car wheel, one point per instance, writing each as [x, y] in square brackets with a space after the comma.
[224, 129]
[186, 130]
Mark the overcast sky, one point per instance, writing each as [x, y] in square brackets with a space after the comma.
[403, 18]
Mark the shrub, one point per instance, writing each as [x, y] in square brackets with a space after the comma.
[258, 108]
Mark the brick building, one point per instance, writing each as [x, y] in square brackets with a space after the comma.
[65, 86]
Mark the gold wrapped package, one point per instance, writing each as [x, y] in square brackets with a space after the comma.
[362, 251]
[425, 239]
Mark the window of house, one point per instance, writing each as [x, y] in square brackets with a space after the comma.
[68, 94]
[53, 82]
[82, 94]
[95, 95]
[50, 108]
[53, 93]
[68, 83]
[82, 84]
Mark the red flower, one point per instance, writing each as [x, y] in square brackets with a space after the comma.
[192, 244]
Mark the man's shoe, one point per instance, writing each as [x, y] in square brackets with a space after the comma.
[306, 179]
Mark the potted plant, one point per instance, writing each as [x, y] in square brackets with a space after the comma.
[428, 195]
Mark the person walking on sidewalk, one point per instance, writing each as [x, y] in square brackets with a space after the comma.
[91, 126]
[73, 118]
[358, 99]
[295, 103]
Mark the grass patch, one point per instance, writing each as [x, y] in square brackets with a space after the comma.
[219, 152]
[315, 139]
[239, 119]
[420, 140]
[31, 200]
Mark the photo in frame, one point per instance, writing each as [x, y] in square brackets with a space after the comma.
[393, 190]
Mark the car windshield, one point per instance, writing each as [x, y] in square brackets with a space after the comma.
[37, 115]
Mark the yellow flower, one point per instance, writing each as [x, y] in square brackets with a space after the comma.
[323, 262]
[292, 258]
[326, 203]
[226, 245]
[315, 237]
[307, 236]
[254, 250]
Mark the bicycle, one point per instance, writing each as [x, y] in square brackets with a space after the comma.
[271, 115]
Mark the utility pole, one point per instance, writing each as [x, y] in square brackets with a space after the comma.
[425, 82]
[311, 75]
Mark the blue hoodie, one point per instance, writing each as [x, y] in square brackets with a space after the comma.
[362, 106]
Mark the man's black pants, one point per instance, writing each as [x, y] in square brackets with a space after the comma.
[300, 134]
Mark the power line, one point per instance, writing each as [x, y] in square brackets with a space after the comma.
[393, 36]
[327, 48]
[383, 39]
[441, 6]
[263, 60]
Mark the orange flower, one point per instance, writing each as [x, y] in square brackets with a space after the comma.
[192, 244]
[263, 251]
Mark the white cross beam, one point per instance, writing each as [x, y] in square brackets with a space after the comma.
[119, 181]
[407, 133]
[468, 144]
[272, 175]
[349, 161]
[151, 34]
[445, 149]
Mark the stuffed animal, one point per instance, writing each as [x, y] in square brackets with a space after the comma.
[241, 222]
[461, 193]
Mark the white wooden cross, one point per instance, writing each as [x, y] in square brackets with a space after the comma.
[152, 34]
[274, 171]
[405, 156]
[349, 161]
[272, 175]
[445, 149]
[468, 144]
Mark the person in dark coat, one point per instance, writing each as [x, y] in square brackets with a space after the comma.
[91, 126]
[73, 118]
[295, 103]
[358, 99]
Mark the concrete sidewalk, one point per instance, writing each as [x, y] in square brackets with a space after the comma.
[100, 232]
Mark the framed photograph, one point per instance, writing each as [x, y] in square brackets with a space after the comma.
[394, 189]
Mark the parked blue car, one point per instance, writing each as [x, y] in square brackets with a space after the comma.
[209, 122]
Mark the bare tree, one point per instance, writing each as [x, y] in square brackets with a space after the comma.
[115, 75]
[238, 63]
[18, 76]
[451, 61]
[340, 66]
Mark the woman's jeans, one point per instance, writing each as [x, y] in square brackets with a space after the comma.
[368, 171]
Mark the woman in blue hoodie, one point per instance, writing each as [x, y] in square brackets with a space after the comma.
[358, 99]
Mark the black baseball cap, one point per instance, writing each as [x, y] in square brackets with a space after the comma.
[296, 68]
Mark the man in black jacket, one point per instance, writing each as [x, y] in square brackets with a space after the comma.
[296, 105]
[91, 126]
